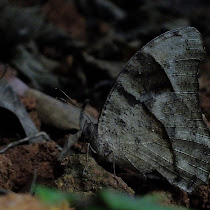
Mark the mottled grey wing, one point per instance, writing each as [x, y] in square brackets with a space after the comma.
[152, 120]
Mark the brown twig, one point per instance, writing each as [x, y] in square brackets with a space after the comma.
[15, 143]
[33, 183]
[4, 72]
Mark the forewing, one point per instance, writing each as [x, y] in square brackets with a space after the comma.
[152, 120]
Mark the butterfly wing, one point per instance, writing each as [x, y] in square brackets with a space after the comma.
[152, 120]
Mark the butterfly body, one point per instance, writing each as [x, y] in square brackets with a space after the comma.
[151, 120]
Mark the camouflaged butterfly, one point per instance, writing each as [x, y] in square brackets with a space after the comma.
[151, 120]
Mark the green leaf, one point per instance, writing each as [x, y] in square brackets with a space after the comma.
[52, 196]
[121, 201]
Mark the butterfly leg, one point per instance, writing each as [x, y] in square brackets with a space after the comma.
[90, 148]
[114, 168]
[87, 154]
[113, 164]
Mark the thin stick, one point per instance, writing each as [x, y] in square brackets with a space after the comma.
[15, 143]
[4, 72]
[33, 183]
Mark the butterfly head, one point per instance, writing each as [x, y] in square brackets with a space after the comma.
[90, 132]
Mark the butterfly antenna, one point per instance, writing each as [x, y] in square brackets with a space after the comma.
[82, 111]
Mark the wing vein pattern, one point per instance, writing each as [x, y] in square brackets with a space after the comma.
[152, 119]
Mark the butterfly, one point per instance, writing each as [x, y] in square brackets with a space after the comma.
[151, 120]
